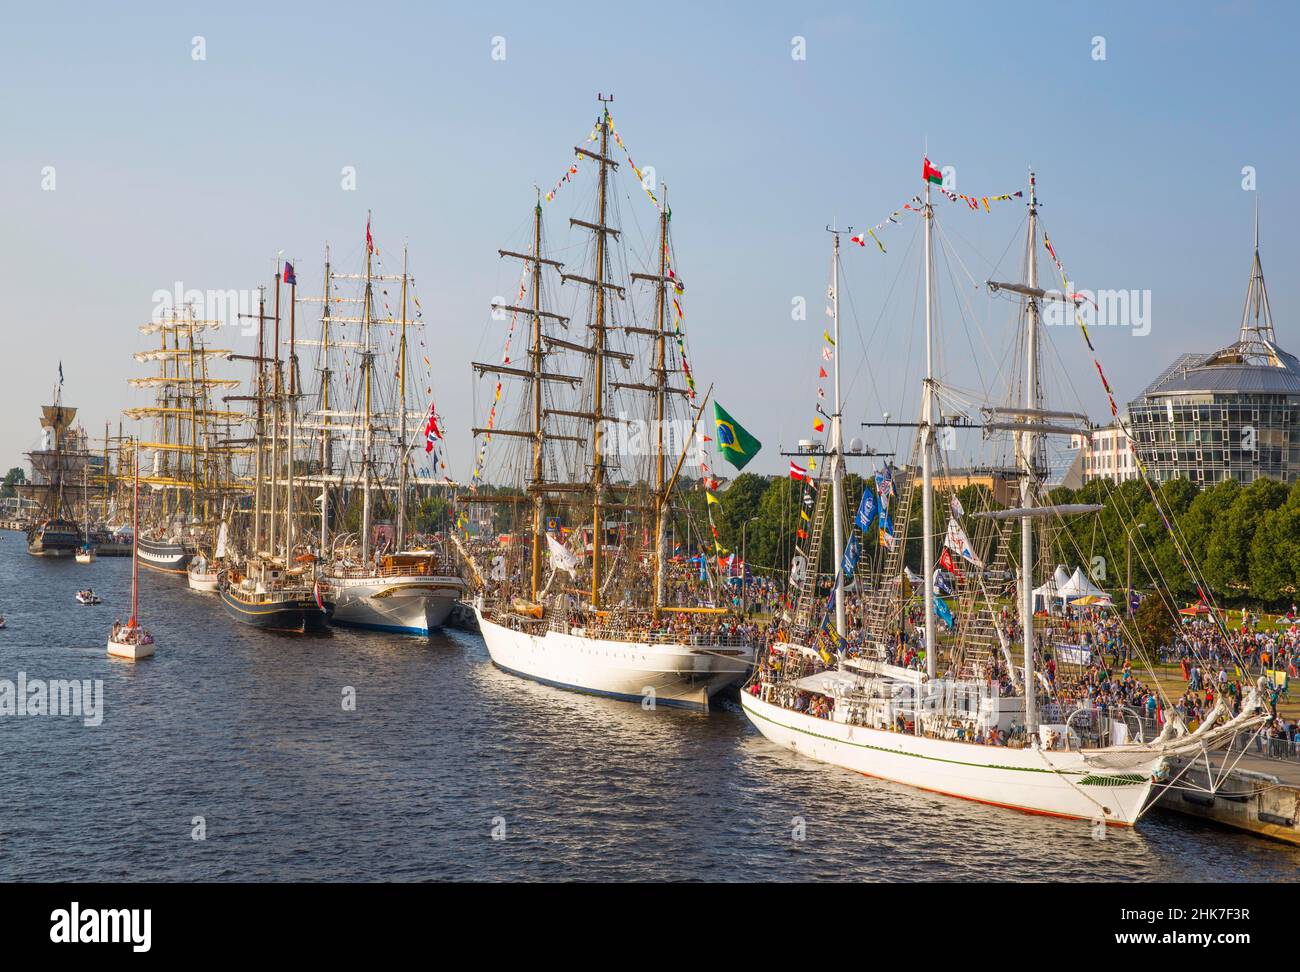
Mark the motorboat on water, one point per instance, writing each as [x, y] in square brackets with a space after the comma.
[88, 597]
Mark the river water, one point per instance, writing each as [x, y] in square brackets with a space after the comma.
[249, 732]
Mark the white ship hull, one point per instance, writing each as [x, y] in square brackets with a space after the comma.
[685, 676]
[130, 652]
[410, 604]
[1051, 782]
[208, 582]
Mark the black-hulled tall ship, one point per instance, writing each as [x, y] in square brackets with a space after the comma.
[273, 588]
[55, 533]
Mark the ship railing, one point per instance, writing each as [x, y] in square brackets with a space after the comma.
[422, 569]
[641, 635]
[1265, 746]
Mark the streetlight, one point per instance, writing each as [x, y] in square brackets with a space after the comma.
[1128, 578]
[744, 569]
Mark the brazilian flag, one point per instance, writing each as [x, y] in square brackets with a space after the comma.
[737, 445]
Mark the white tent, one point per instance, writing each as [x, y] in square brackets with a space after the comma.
[1050, 591]
[1064, 587]
[1079, 586]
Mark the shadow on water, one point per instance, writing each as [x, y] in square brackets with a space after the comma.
[369, 756]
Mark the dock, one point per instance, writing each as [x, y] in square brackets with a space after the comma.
[1251, 791]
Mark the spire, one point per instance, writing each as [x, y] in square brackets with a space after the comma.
[1256, 318]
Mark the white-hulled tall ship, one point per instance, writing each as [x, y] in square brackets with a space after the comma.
[381, 581]
[611, 629]
[190, 465]
[957, 714]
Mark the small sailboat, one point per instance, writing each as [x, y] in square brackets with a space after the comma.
[85, 553]
[132, 640]
[205, 574]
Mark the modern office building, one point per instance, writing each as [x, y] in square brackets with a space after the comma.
[1106, 454]
[1231, 414]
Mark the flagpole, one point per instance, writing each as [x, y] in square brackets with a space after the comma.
[837, 461]
[927, 445]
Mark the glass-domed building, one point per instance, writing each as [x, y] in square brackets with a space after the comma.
[1231, 414]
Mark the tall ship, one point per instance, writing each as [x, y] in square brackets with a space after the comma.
[582, 592]
[964, 688]
[56, 466]
[189, 466]
[364, 438]
[273, 585]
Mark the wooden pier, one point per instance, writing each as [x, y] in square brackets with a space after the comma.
[1256, 793]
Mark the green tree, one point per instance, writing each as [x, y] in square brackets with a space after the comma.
[1275, 552]
[1155, 626]
[12, 477]
[1228, 552]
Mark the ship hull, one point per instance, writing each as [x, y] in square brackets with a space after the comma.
[165, 555]
[1053, 783]
[130, 652]
[683, 676]
[37, 550]
[293, 615]
[407, 605]
[205, 582]
[57, 538]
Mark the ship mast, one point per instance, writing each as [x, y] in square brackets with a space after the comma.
[259, 432]
[293, 410]
[276, 377]
[837, 447]
[367, 367]
[598, 357]
[536, 374]
[135, 536]
[927, 448]
[194, 414]
[404, 447]
[539, 498]
[1028, 456]
[661, 404]
[325, 463]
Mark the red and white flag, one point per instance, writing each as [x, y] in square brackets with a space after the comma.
[431, 431]
[860, 239]
[798, 472]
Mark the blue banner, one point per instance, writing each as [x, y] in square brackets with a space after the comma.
[851, 554]
[866, 510]
[943, 612]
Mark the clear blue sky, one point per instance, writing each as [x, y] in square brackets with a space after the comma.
[171, 170]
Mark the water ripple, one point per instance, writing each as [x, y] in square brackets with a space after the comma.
[248, 731]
